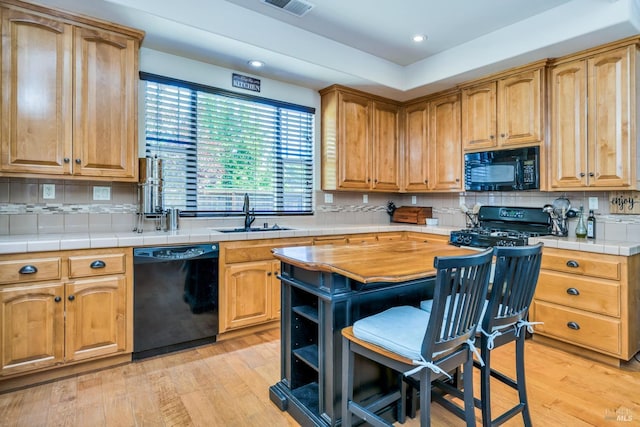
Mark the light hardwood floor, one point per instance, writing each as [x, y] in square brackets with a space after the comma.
[226, 384]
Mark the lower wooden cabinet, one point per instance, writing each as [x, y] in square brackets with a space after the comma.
[81, 311]
[589, 301]
[252, 293]
[249, 289]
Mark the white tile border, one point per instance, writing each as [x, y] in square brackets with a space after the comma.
[51, 242]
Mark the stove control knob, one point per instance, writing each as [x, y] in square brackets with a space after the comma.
[467, 240]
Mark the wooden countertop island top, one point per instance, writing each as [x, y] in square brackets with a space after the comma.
[396, 261]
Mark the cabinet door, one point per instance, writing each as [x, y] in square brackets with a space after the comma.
[248, 298]
[31, 327]
[609, 124]
[96, 317]
[520, 119]
[445, 148]
[568, 145]
[105, 104]
[275, 290]
[416, 163]
[386, 147]
[354, 142]
[479, 117]
[36, 94]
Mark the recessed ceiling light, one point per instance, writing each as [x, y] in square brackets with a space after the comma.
[256, 64]
[419, 38]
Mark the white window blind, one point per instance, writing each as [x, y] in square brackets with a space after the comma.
[217, 145]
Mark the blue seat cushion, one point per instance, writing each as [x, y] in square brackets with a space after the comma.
[398, 329]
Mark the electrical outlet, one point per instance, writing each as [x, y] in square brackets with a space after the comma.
[48, 191]
[365, 198]
[101, 193]
[328, 198]
[593, 203]
[414, 200]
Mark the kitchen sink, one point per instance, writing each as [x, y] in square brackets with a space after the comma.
[252, 229]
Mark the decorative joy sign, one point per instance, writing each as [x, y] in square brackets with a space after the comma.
[624, 202]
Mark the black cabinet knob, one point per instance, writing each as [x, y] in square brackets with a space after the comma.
[573, 325]
[573, 291]
[57, 299]
[71, 298]
[28, 269]
[98, 264]
[66, 160]
[78, 161]
[572, 264]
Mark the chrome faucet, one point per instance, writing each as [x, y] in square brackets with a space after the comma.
[248, 213]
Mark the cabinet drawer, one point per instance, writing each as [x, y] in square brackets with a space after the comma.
[96, 265]
[589, 265]
[330, 240]
[386, 237]
[249, 252]
[30, 270]
[589, 330]
[362, 239]
[578, 292]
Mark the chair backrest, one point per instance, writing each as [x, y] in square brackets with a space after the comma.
[459, 295]
[514, 283]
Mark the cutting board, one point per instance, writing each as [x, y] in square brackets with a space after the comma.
[411, 214]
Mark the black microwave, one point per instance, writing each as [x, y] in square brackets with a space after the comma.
[503, 170]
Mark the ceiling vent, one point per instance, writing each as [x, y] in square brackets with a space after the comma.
[294, 7]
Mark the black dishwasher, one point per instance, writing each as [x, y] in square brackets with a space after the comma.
[175, 298]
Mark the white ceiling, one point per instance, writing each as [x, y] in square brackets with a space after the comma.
[366, 43]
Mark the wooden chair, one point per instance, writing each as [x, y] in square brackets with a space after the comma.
[504, 320]
[426, 345]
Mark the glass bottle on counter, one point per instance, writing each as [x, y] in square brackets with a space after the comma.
[591, 225]
[581, 228]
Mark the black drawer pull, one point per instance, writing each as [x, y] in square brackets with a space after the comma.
[98, 264]
[573, 325]
[573, 291]
[28, 269]
[573, 264]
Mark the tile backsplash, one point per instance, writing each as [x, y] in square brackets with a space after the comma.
[24, 210]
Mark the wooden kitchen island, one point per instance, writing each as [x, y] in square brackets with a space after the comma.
[324, 289]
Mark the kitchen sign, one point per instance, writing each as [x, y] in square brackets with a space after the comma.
[245, 82]
[624, 202]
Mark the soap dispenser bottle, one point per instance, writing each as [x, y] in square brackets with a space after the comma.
[581, 228]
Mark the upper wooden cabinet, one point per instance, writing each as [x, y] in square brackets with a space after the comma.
[69, 95]
[432, 146]
[360, 141]
[505, 112]
[416, 147]
[593, 121]
[445, 150]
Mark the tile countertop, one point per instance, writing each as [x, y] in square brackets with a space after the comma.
[54, 242]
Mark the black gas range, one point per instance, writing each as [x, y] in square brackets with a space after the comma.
[503, 226]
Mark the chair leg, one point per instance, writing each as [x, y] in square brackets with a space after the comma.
[347, 381]
[520, 378]
[485, 386]
[467, 380]
[425, 397]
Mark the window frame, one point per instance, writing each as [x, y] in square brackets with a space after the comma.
[280, 194]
